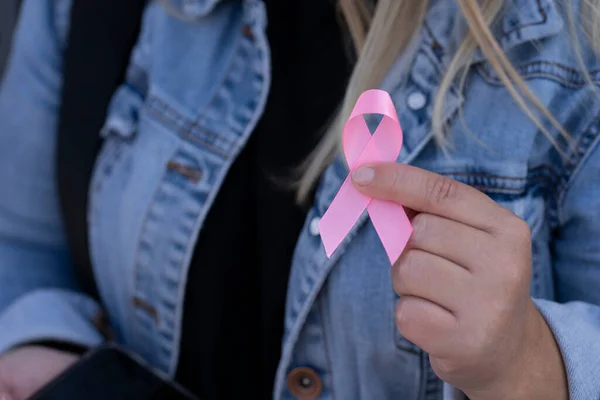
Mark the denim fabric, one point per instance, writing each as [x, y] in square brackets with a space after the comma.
[195, 88]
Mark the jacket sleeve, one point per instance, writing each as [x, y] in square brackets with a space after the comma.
[39, 299]
[575, 317]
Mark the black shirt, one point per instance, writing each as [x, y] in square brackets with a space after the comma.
[235, 298]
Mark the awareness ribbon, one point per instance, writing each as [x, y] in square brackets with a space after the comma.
[360, 147]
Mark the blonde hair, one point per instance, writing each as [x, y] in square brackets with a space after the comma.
[371, 30]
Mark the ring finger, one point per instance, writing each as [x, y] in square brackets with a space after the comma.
[430, 277]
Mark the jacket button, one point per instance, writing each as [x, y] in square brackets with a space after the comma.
[304, 384]
[313, 228]
[247, 31]
[416, 101]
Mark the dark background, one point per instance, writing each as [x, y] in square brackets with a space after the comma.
[8, 15]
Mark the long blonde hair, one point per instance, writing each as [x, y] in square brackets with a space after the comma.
[371, 29]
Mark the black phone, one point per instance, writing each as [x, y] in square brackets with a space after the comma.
[110, 372]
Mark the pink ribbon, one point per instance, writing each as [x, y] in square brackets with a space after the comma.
[360, 147]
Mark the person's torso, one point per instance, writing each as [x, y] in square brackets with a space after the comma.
[195, 90]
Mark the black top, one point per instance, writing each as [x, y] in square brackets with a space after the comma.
[235, 299]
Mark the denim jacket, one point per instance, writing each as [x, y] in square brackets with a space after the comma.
[194, 91]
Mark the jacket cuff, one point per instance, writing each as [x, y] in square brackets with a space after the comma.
[50, 315]
[576, 328]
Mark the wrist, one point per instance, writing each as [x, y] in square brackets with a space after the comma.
[537, 370]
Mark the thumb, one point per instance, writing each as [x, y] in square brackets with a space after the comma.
[5, 392]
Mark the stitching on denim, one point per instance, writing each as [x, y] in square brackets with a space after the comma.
[540, 22]
[571, 83]
[438, 65]
[169, 116]
[542, 177]
[226, 75]
[190, 126]
[137, 269]
[429, 32]
[586, 143]
[484, 175]
[546, 173]
[543, 20]
[326, 347]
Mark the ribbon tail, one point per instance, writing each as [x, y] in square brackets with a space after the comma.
[345, 209]
[392, 226]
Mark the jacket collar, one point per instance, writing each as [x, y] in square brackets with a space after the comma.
[529, 20]
[521, 21]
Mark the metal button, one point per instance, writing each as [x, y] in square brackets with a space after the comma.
[304, 383]
[247, 31]
[142, 304]
[314, 226]
[102, 324]
[194, 174]
[416, 101]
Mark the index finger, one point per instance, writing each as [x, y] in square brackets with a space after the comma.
[429, 192]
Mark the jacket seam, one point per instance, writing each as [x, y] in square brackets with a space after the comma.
[543, 20]
[574, 165]
[326, 349]
[163, 113]
[193, 124]
[539, 173]
[223, 78]
[137, 330]
[575, 83]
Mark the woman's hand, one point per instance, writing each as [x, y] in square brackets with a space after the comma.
[464, 286]
[25, 370]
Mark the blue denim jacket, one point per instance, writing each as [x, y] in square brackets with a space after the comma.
[195, 88]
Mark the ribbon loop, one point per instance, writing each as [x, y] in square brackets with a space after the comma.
[360, 147]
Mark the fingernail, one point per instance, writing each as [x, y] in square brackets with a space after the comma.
[363, 176]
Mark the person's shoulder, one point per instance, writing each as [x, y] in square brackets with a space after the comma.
[553, 34]
[46, 20]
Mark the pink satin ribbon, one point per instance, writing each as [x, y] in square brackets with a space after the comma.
[360, 147]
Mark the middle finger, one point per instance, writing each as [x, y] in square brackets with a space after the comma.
[430, 277]
[456, 242]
